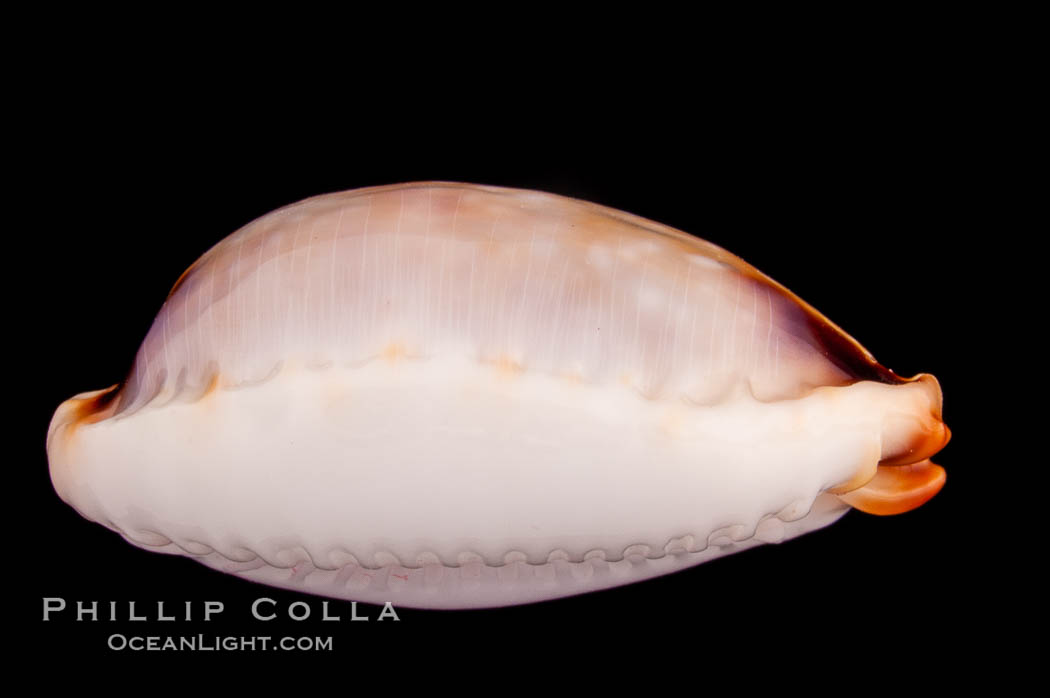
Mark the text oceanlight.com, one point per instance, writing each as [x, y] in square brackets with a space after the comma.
[217, 643]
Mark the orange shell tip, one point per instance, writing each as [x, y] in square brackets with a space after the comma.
[896, 489]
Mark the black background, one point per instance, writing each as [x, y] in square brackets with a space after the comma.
[861, 206]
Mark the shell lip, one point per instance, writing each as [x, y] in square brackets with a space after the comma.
[907, 479]
[929, 444]
[898, 489]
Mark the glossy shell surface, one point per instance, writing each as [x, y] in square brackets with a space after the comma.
[447, 395]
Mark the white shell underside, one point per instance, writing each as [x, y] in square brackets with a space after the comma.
[452, 396]
[475, 584]
[331, 479]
